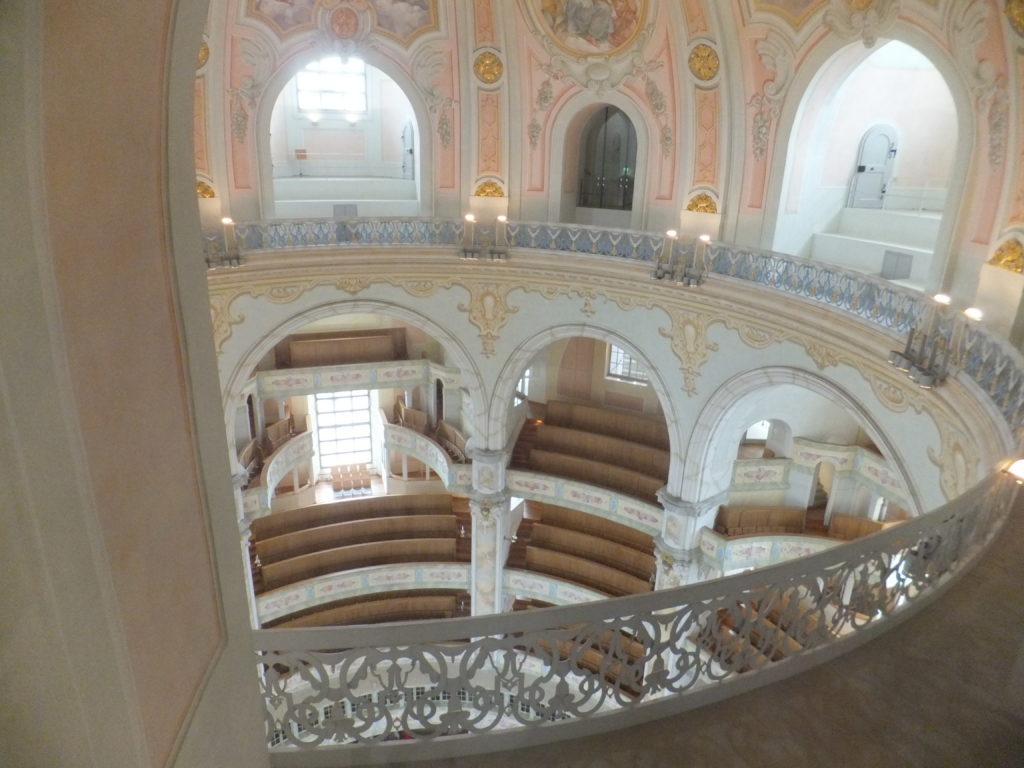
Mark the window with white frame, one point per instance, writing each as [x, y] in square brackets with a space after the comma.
[331, 85]
[523, 388]
[343, 428]
[624, 367]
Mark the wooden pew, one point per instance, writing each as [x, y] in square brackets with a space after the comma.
[612, 477]
[380, 610]
[291, 520]
[323, 537]
[612, 554]
[596, 576]
[575, 520]
[646, 459]
[326, 561]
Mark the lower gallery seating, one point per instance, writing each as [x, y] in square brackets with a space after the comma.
[405, 605]
[299, 544]
[583, 549]
[619, 451]
[753, 520]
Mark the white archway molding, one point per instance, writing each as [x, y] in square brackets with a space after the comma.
[568, 124]
[283, 75]
[807, 77]
[708, 462]
[472, 380]
[517, 362]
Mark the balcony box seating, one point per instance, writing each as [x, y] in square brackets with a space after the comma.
[848, 527]
[745, 521]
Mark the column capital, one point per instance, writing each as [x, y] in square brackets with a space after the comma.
[489, 470]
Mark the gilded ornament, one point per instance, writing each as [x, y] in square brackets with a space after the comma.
[488, 310]
[859, 6]
[1009, 256]
[702, 203]
[204, 190]
[203, 56]
[689, 337]
[489, 189]
[1015, 13]
[703, 62]
[488, 68]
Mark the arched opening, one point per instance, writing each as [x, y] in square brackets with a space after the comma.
[598, 165]
[343, 142]
[766, 439]
[869, 163]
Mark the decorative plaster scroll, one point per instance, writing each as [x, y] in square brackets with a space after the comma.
[968, 32]
[776, 56]
[893, 393]
[957, 462]
[761, 337]
[427, 66]
[689, 337]
[1009, 256]
[489, 122]
[599, 73]
[864, 19]
[488, 310]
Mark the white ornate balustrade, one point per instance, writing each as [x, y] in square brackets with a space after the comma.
[569, 671]
[296, 452]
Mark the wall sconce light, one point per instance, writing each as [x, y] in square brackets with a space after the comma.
[691, 270]
[1016, 471]
[469, 246]
[228, 254]
[934, 346]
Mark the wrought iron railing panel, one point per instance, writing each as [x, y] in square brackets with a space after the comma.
[486, 674]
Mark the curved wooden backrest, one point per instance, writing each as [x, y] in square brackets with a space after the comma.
[616, 478]
[605, 448]
[600, 550]
[586, 572]
[355, 532]
[573, 519]
[279, 523]
[626, 426]
[408, 608]
[357, 556]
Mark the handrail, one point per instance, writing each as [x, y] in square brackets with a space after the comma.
[991, 362]
[831, 599]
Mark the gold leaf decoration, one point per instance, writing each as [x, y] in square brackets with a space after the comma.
[1015, 13]
[488, 68]
[204, 190]
[703, 62]
[1009, 256]
[702, 203]
[489, 189]
[203, 55]
[488, 310]
[689, 337]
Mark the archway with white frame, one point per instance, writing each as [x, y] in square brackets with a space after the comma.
[563, 167]
[421, 205]
[501, 408]
[711, 451]
[826, 67]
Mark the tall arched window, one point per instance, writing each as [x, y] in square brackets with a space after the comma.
[608, 161]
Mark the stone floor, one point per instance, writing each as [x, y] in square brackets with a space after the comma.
[946, 688]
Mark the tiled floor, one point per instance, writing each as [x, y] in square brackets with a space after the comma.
[946, 688]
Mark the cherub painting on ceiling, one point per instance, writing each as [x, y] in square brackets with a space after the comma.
[284, 14]
[591, 26]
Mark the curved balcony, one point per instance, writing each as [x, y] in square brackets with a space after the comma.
[584, 669]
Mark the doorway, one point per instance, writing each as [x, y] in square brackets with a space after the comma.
[876, 156]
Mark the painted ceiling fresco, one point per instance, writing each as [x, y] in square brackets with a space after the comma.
[590, 27]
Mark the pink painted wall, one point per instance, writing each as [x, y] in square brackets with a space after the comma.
[104, 180]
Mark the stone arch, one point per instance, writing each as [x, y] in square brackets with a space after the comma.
[567, 126]
[803, 84]
[288, 69]
[707, 464]
[472, 383]
[501, 401]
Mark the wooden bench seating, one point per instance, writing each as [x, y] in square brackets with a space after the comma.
[346, 558]
[745, 521]
[279, 523]
[358, 347]
[380, 610]
[625, 426]
[411, 418]
[612, 554]
[322, 537]
[602, 578]
[604, 448]
[847, 527]
[610, 476]
[573, 519]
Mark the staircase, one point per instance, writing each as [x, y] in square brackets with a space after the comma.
[896, 245]
[524, 444]
[464, 523]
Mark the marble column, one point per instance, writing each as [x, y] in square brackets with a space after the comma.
[489, 505]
